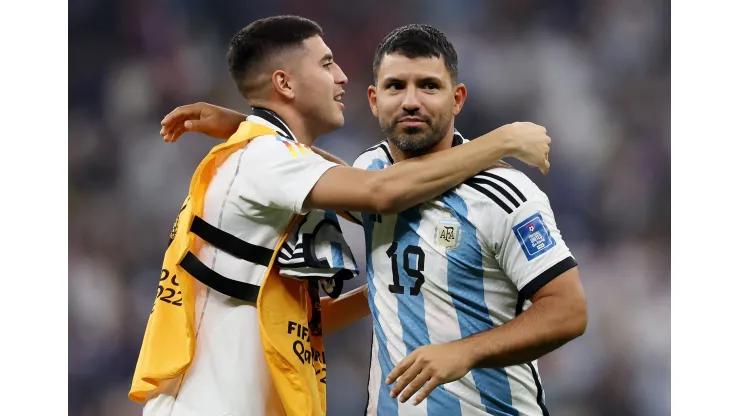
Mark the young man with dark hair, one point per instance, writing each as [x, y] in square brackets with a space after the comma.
[288, 76]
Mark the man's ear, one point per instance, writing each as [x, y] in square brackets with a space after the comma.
[372, 98]
[283, 84]
[460, 94]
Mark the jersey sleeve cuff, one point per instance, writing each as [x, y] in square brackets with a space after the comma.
[545, 277]
[311, 179]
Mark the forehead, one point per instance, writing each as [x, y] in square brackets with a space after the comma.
[316, 47]
[398, 66]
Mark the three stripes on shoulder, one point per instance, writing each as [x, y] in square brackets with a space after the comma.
[485, 182]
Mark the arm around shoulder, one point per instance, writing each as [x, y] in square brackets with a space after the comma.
[350, 189]
[410, 182]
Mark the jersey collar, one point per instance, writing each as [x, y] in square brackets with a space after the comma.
[272, 120]
[457, 138]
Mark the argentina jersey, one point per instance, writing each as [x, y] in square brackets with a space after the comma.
[462, 263]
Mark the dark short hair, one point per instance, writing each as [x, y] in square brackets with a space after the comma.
[417, 41]
[264, 38]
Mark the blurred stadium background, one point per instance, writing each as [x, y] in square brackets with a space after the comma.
[596, 74]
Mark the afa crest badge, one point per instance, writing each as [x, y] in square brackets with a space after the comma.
[448, 233]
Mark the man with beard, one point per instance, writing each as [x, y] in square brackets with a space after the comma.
[470, 288]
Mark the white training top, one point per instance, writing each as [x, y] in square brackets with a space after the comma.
[253, 196]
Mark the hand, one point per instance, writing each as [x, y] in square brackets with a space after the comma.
[431, 364]
[528, 142]
[209, 119]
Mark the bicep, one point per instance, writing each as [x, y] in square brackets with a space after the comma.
[566, 285]
[565, 302]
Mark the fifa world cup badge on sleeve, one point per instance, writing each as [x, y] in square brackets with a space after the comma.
[533, 236]
[448, 233]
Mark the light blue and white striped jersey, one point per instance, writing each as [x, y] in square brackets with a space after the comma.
[462, 263]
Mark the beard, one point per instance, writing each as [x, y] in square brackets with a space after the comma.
[415, 141]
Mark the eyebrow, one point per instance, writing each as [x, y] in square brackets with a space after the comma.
[391, 80]
[434, 80]
[327, 57]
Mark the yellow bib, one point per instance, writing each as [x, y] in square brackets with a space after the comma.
[288, 309]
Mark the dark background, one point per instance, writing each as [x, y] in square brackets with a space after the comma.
[596, 74]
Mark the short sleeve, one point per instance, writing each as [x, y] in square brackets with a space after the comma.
[531, 250]
[281, 172]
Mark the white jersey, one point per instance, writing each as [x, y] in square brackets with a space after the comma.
[253, 196]
[462, 263]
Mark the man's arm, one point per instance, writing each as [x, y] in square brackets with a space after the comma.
[398, 187]
[557, 315]
[209, 119]
[214, 121]
[336, 314]
[419, 179]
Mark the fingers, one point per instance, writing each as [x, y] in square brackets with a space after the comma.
[544, 164]
[538, 159]
[546, 167]
[166, 130]
[174, 116]
[426, 391]
[417, 383]
[173, 134]
[401, 368]
[172, 124]
[181, 119]
[411, 375]
[534, 145]
[183, 112]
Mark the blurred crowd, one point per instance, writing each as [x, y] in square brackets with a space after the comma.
[596, 74]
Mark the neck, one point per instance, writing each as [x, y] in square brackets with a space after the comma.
[295, 122]
[444, 144]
